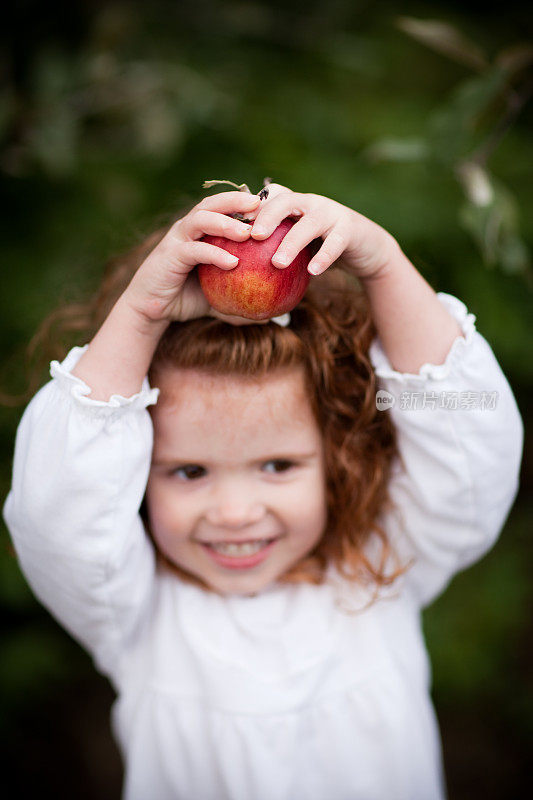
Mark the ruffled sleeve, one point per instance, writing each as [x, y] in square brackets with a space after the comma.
[79, 476]
[460, 438]
[74, 387]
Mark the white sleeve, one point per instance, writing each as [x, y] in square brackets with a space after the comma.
[79, 476]
[460, 439]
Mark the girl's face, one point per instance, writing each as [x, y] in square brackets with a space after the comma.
[236, 493]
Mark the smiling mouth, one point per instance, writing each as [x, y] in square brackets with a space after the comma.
[239, 549]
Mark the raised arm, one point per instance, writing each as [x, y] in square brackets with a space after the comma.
[79, 476]
[458, 427]
[460, 439]
[162, 290]
[459, 430]
[414, 328]
[83, 447]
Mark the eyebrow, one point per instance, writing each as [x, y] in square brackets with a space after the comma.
[173, 462]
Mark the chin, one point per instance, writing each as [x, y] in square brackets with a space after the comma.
[243, 585]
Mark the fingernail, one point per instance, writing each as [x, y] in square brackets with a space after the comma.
[232, 260]
[258, 230]
[280, 259]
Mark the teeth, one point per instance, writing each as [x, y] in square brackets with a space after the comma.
[242, 549]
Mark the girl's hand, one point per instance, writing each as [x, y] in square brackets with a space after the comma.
[165, 288]
[363, 247]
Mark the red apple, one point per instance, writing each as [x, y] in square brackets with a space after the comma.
[255, 288]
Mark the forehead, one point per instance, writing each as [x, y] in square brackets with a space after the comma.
[223, 415]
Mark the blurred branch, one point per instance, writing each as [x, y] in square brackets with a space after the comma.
[463, 134]
[445, 38]
[515, 103]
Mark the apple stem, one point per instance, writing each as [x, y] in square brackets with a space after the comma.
[242, 187]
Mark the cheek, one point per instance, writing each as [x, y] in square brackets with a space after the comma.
[165, 524]
[310, 511]
[318, 489]
[320, 509]
[319, 517]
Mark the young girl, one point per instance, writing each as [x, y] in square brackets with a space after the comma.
[246, 549]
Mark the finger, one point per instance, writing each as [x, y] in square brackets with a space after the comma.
[182, 257]
[273, 211]
[215, 224]
[203, 253]
[229, 202]
[191, 301]
[273, 189]
[332, 248]
[299, 236]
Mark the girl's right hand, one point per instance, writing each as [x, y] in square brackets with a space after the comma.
[165, 288]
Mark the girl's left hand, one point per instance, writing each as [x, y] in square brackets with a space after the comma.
[363, 246]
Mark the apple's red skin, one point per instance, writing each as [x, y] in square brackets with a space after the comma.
[255, 288]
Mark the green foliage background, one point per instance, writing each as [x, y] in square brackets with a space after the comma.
[111, 116]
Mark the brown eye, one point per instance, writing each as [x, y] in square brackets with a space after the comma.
[189, 472]
[278, 465]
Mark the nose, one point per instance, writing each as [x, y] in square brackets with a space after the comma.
[234, 506]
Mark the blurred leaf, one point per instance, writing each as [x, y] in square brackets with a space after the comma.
[494, 224]
[159, 127]
[115, 24]
[515, 257]
[445, 38]
[97, 103]
[52, 134]
[391, 149]
[476, 183]
[358, 54]
[53, 141]
[53, 75]
[452, 129]
[515, 58]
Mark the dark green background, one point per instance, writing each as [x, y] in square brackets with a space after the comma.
[111, 117]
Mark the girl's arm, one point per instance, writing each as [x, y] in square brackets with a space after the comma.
[162, 290]
[119, 356]
[460, 439]
[83, 447]
[413, 326]
[79, 476]
[459, 430]
[458, 427]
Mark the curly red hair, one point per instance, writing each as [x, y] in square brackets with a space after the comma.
[329, 336]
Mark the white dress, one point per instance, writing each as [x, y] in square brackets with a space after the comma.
[300, 692]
